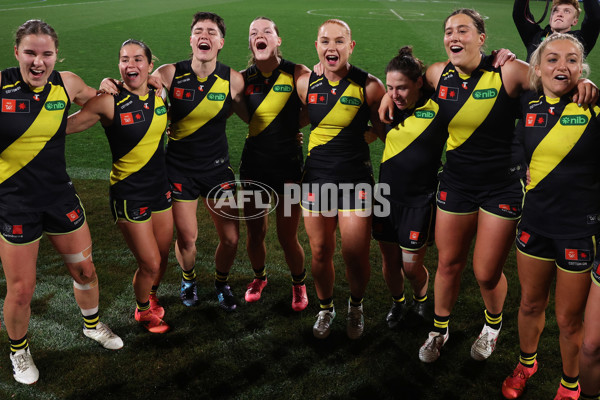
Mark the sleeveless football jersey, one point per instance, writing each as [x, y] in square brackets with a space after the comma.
[561, 143]
[136, 139]
[199, 110]
[481, 123]
[33, 172]
[339, 116]
[274, 107]
[412, 154]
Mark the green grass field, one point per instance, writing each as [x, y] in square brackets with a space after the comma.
[264, 350]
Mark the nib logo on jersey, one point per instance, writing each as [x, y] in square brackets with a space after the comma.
[15, 106]
[132, 117]
[577, 257]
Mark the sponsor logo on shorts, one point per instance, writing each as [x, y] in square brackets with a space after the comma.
[504, 207]
[414, 235]
[484, 94]
[183, 94]
[55, 105]
[74, 215]
[310, 197]
[592, 219]
[443, 196]
[15, 106]
[317, 98]
[536, 120]
[143, 210]
[362, 195]
[577, 255]
[448, 93]
[17, 229]
[574, 120]
[178, 187]
[524, 237]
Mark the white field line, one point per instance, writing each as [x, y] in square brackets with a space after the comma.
[396, 14]
[58, 5]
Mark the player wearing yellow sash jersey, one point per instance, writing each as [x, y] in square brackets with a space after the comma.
[340, 103]
[135, 121]
[202, 92]
[272, 155]
[558, 232]
[36, 194]
[473, 205]
[409, 166]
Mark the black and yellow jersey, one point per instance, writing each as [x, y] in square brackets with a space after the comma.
[561, 142]
[339, 115]
[33, 172]
[481, 123]
[412, 154]
[199, 110]
[274, 107]
[136, 139]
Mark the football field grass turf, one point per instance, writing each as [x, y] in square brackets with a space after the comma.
[264, 350]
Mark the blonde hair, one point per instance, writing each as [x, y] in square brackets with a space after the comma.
[339, 22]
[535, 82]
[573, 3]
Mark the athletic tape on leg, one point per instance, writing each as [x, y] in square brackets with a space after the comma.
[77, 257]
[86, 286]
[409, 257]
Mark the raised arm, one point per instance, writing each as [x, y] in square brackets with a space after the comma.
[590, 27]
[77, 90]
[99, 108]
[523, 21]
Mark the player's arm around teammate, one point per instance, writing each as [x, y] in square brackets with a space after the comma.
[331, 163]
[197, 153]
[409, 167]
[557, 234]
[272, 156]
[139, 191]
[37, 195]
